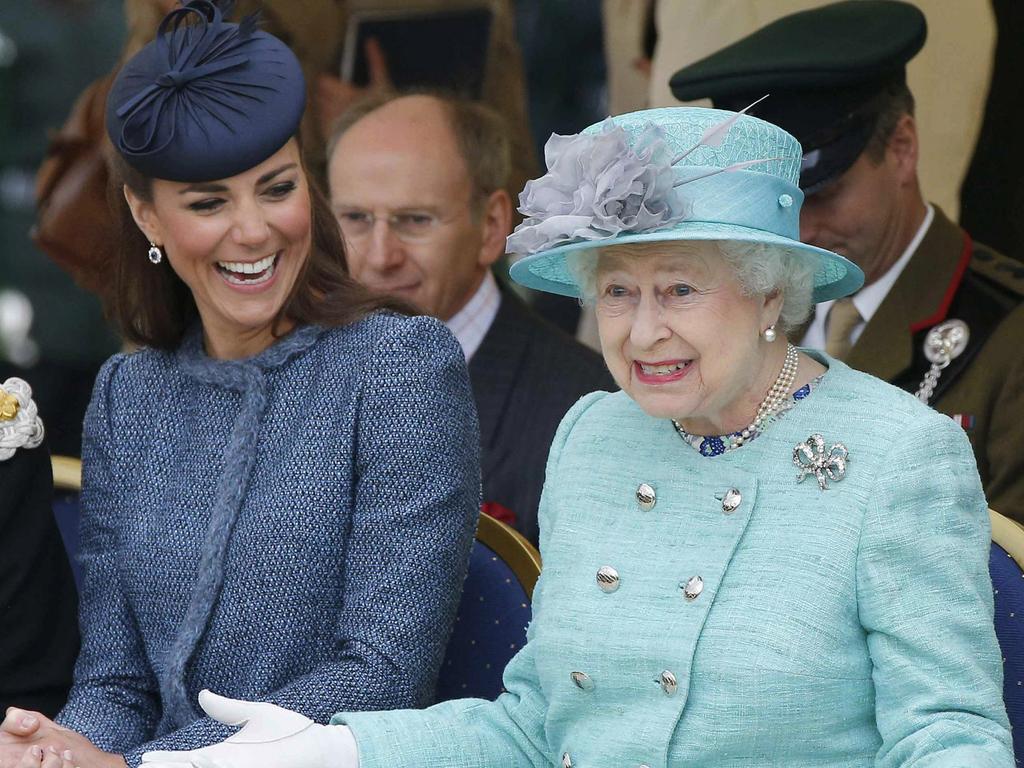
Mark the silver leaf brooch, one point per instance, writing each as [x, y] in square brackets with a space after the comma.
[811, 459]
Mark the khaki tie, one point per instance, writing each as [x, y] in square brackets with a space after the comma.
[843, 317]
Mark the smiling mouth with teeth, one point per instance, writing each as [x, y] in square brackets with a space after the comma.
[663, 370]
[248, 272]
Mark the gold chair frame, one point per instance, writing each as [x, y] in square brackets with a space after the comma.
[512, 547]
[67, 473]
[1009, 535]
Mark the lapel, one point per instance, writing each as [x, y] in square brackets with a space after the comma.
[918, 299]
[496, 365]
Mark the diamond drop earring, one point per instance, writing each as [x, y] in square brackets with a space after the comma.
[769, 333]
[155, 254]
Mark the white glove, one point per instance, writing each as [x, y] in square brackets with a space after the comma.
[271, 737]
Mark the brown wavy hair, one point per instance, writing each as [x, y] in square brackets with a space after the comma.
[152, 307]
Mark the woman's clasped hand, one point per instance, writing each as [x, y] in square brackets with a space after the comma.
[30, 740]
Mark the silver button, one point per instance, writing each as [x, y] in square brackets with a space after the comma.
[607, 578]
[732, 500]
[582, 680]
[646, 498]
[692, 587]
[668, 682]
[566, 760]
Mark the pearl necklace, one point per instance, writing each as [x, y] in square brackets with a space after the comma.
[776, 396]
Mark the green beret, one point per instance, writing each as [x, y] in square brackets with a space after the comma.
[824, 70]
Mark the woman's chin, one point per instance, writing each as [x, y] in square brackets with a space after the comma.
[663, 405]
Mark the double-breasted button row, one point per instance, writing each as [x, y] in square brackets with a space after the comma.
[608, 581]
[667, 680]
[647, 497]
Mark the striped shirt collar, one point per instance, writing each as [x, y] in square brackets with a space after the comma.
[471, 323]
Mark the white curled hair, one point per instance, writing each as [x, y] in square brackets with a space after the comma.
[25, 430]
[760, 269]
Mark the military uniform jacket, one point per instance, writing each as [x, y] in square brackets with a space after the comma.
[950, 277]
[840, 628]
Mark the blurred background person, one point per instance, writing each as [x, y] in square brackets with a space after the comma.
[418, 184]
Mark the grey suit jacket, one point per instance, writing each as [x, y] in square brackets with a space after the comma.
[525, 377]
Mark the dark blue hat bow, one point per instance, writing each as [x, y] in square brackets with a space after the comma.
[207, 99]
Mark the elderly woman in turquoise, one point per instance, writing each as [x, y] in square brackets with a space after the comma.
[753, 555]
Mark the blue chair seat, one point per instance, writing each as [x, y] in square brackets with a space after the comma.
[490, 626]
[67, 484]
[1006, 567]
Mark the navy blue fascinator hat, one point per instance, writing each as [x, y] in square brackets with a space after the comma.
[207, 99]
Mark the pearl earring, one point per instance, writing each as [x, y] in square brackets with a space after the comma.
[769, 333]
[155, 254]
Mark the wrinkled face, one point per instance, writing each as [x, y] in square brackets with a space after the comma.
[858, 216]
[677, 333]
[403, 197]
[238, 243]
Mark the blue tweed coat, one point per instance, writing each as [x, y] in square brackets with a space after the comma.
[840, 628]
[293, 527]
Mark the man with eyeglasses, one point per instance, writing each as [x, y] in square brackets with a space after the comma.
[417, 183]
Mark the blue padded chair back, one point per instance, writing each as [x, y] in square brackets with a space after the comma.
[65, 511]
[1008, 587]
[67, 482]
[490, 626]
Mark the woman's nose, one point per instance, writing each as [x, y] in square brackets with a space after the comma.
[649, 325]
[251, 226]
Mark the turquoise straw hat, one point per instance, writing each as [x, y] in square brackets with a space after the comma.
[662, 175]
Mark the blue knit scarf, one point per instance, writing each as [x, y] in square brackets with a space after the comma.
[248, 377]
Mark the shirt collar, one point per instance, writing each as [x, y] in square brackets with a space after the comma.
[870, 297]
[471, 323]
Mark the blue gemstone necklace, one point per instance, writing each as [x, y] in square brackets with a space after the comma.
[775, 403]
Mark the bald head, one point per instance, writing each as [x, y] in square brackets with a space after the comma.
[398, 117]
[417, 221]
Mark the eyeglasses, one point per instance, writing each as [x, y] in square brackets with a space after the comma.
[409, 227]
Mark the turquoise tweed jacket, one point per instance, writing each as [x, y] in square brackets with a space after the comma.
[844, 627]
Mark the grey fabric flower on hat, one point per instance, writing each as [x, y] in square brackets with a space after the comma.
[598, 186]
